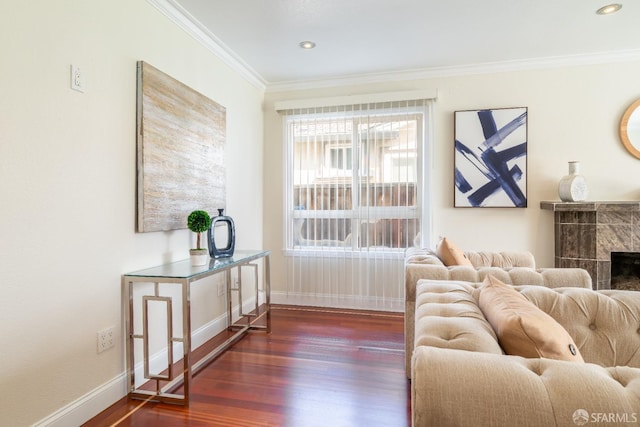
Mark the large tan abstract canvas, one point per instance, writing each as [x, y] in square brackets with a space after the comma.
[180, 159]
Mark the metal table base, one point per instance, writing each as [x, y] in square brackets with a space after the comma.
[183, 274]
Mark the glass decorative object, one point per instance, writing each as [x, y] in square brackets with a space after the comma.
[222, 241]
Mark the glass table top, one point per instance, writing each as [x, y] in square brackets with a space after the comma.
[184, 270]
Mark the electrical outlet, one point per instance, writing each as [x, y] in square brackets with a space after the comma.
[105, 339]
[221, 289]
[77, 79]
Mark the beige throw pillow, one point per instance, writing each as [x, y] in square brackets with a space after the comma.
[450, 254]
[522, 328]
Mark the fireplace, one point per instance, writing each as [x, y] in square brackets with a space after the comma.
[588, 233]
[625, 271]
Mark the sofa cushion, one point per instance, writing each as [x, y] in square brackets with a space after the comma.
[522, 328]
[447, 315]
[451, 254]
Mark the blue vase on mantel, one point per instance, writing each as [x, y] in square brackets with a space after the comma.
[222, 249]
[573, 187]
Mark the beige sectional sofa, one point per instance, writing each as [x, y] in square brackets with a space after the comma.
[462, 377]
[516, 268]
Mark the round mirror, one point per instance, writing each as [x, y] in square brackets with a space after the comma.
[630, 129]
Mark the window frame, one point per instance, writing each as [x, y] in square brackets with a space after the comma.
[421, 211]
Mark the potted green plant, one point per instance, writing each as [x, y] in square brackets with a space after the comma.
[199, 222]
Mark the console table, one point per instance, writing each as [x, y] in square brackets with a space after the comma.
[184, 274]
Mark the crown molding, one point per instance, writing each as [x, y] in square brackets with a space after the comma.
[462, 70]
[183, 19]
[199, 32]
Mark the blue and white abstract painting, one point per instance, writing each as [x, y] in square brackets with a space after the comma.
[490, 159]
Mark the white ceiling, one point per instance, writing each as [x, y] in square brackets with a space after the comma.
[366, 37]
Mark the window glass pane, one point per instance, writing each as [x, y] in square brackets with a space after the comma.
[324, 232]
[355, 179]
[390, 160]
[319, 150]
[388, 194]
[319, 197]
[389, 233]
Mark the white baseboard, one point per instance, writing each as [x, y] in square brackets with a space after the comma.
[89, 405]
[338, 301]
[97, 400]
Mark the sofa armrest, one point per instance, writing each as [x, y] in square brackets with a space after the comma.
[461, 388]
[413, 273]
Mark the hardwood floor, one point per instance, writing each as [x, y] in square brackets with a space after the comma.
[318, 367]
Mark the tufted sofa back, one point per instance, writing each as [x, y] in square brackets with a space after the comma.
[604, 324]
[501, 259]
[507, 259]
[516, 268]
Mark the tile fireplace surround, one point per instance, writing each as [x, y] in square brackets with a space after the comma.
[587, 232]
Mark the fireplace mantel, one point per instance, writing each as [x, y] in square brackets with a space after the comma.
[558, 206]
[587, 232]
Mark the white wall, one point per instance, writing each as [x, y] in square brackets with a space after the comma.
[67, 186]
[574, 114]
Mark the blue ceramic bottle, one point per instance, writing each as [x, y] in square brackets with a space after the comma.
[221, 249]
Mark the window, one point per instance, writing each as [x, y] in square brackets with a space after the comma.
[340, 157]
[355, 177]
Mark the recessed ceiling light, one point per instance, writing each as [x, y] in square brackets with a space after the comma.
[609, 9]
[307, 44]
